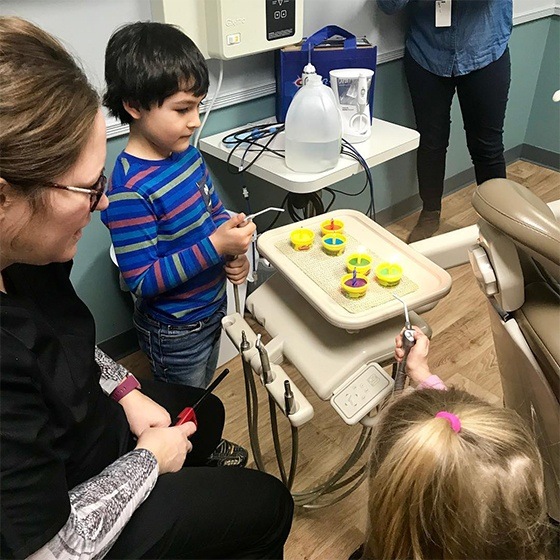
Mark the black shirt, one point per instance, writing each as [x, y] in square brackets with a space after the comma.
[57, 427]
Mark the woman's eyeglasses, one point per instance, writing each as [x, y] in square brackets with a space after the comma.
[95, 192]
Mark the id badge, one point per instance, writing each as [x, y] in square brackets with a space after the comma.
[443, 13]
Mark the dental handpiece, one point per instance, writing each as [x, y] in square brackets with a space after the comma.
[408, 341]
[289, 399]
[265, 362]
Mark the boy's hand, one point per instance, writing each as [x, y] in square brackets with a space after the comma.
[417, 362]
[234, 236]
[237, 269]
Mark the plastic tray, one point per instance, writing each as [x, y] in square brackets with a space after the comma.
[431, 281]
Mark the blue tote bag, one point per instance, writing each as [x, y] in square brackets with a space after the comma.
[329, 48]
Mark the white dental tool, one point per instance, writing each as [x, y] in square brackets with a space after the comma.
[269, 209]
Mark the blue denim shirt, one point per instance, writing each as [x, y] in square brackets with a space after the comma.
[479, 33]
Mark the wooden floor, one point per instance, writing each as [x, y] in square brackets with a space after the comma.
[461, 353]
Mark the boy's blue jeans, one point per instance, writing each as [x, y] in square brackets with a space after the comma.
[183, 354]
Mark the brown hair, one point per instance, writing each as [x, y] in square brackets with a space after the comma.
[47, 106]
[437, 494]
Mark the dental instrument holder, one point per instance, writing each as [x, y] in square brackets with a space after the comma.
[236, 327]
[267, 376]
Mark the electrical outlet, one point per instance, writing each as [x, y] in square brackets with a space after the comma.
[361, 392]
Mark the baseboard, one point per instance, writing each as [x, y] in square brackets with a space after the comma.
[121, 345]
[540, 156]
[413, 203]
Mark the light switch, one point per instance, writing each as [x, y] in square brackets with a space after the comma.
[233, 39]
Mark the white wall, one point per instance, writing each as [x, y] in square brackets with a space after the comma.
[86, 25]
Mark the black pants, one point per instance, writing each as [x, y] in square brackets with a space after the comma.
[483, 96]
[205, 512]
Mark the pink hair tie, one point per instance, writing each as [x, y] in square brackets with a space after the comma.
[452, 419]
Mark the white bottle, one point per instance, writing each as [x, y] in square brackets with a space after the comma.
[308, 70]
[313, 128]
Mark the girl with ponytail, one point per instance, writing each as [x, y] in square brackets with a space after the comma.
[452, 477]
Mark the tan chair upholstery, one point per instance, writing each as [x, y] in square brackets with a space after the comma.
[521, 240]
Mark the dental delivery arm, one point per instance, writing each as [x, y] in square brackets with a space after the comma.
[101, 507]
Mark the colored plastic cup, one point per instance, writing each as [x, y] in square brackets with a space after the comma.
[354, 287]
[359, 261]
[332, 226]
[334, 244]
[302, 239]
[388, 274]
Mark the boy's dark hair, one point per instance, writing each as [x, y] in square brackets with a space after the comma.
[146, 62]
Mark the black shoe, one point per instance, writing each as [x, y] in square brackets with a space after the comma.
[228, 454]
[427, 225]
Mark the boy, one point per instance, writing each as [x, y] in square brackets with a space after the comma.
[174, 241]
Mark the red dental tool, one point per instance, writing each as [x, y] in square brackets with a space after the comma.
[188, 413]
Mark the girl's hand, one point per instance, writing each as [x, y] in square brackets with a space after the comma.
[417, 367]
[237, 269]
[169, 445]
[142, 413]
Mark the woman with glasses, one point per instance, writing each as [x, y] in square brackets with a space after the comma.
[91, 466]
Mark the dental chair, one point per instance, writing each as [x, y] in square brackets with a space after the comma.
[517, 264]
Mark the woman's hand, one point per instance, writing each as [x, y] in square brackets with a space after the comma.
[169, 445]
[142, 413]
[417, 361]
[237, 269]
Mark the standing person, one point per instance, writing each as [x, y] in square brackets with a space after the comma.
[455, 45]
[91, 467]
[452, 476]
[174, 241]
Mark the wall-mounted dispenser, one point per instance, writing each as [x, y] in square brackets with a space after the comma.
[226, 29]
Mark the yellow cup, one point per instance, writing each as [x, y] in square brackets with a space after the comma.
[388, 274]
[334, 244]
[332, 226]
[354, 287]
[302, 239]
[359, 261]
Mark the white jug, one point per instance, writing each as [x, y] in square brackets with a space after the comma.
[313, 128]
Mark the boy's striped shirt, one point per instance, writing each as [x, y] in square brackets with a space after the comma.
[161, 214]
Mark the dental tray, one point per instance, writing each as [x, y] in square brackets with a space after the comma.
[316, 275]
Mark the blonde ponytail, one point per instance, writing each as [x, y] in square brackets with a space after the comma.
[435, 493]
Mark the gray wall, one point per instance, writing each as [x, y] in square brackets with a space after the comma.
[543, 129]
[531, 118]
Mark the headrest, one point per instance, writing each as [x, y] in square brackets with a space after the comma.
[521, 215]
